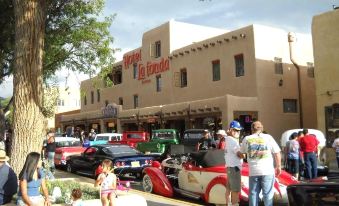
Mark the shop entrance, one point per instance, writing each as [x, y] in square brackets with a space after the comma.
[246, 118]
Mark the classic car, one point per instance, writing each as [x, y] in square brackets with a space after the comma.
[103, 138]
[126, 160]
[190, 139]
[132, 138]
[160, 141]
[66, 146]
[202, 175]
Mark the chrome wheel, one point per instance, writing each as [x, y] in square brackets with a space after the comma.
[147, 184]
[69, 167]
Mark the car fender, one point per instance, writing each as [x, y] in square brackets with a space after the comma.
[161, 185]
[215, 189]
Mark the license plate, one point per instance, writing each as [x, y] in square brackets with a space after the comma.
[135, 164]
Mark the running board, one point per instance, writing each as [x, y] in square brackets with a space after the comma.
[187, 193]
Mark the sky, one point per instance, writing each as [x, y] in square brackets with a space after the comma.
[134, 17]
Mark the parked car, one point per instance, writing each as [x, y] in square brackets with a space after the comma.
[66, 146]
[202, 175]
[190, 139]
[160, 141]
[132, 138]
[314, 194]
[125, 159]
[103, 138]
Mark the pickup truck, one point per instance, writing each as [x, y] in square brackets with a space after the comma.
[103, 138]
[160, 141]
[132, 138]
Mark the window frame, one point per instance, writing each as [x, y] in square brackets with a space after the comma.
[98, 95]
[310, 69]
[183, 81]
[158, 83]
[136, 101]
[216, 76]
[135, 71]
[278, 66]
[239, 68]
[92, 97]
[157, 48]
[286, 107]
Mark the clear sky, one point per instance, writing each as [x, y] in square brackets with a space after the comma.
[134, 17]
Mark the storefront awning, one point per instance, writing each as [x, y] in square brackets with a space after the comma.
[177, 109]
[81, 116]
[149, 111]
[208, 105]
[128, 114]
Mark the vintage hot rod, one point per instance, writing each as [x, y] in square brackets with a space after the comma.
[202, 175]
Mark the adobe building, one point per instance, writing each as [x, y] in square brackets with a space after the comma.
[325, 34]
[190, 76]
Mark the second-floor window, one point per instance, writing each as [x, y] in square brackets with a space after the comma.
[290, 106]
[85, 100]
[60, 102]
[239, 65]
[216, 70]
[310, 69]
[278, 65]
[183, 78]
[92, 97]
[158, 82]
[135, 71]
[121, 101]
[98, 95]
[157, 49]
[136, 101]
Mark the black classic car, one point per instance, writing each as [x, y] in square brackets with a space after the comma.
[126, 160]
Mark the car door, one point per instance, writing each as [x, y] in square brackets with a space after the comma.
[86, 160]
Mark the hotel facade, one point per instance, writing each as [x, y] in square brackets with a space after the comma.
[189, 76]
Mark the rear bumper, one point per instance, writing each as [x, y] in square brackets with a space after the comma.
[127, 170]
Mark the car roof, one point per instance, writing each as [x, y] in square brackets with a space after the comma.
[64, 139]
[286, 135]
[195, 130]
[108, 134]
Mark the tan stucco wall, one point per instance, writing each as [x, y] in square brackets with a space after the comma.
[325, 33]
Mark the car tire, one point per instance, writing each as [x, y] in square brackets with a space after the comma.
[147, 184]
[69, 168]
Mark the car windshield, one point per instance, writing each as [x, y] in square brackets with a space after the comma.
[134, 136]
[118, 150]
[68, 144]
[195, 135]
[99, 138]
[163, 135]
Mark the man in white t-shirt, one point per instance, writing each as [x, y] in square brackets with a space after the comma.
[233, 159]
[261, 149]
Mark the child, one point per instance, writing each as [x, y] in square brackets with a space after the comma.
[76, 197]
[108, 182]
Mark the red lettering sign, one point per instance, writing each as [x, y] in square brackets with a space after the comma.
[152, 68]
[132, 58]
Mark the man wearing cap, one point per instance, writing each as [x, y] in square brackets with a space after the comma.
[261, 150]
[221, 134]
[233, 159]
[205, 142]
[8, 180]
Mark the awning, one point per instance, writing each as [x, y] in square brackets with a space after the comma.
[149, 111]
[81, 116]
[129, 113]
[177, 109]
[208, 105]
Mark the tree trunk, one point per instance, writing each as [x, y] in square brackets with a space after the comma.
[28, 120]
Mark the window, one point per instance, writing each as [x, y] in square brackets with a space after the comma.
[116, 75]
[135, 71]
[278, 65]
[106, 103]
[157, 49]
[310, 69]
[183, 78]
[121, 101]
[85, 100]
[158, 82]
[98, 95]
[92, 97]
[290, 106]
[216, 70]
[136, 101]
[239, 65]
[60, 102]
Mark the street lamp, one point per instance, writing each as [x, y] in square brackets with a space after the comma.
[291, 39]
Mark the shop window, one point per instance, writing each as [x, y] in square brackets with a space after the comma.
[216, 70]
[158, 82]
[121, 101]
[290, 106]
[136, 101]
[278, 66]
[98, 95]
[310, 69]
[183, 78]
[239, 65]
[85, 100]
[92, 97]
[135, 71]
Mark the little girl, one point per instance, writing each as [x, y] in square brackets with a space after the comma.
[76, 197]
[108, 182]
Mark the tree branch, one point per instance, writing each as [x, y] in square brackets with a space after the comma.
[8, 105]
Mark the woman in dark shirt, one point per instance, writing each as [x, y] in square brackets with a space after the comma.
[50, 150]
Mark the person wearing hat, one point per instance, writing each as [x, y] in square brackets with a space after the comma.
[220, 143]
[8, 180]
[233, 159]
[205, 142]
[264, 161]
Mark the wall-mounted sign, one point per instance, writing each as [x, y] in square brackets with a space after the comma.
[152, 68]
[132, 58]
[111, 110]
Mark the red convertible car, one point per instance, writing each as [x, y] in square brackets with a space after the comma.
[202, 175]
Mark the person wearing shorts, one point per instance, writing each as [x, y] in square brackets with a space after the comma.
[233, 159]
